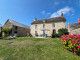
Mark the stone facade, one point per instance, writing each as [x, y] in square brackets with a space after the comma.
[17, 28]
[0, 32]
[74, 28]
[46, 27]
[75, 31]
[0, 29]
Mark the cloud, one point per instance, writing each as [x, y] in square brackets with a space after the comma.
[56, 3]
[44, 12]
[64, 10]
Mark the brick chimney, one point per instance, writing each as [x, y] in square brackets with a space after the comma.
[62, 14]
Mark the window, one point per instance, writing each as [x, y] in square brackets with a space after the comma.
[16, 27]
[53, 25]
[43, 29]
[15, 32]
[43, 25]
[54, 31]
[35, 26]
[36, 34]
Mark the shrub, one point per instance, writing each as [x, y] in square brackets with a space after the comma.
[55, 35]
[72, 43]
[63, 31]
[0, 34]
[6, 31]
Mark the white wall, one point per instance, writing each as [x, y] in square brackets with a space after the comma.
[59, 25]
[48, 27]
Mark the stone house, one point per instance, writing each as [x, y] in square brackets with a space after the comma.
[46, 27]
[17, 28]
[0, 28]
[74, 28]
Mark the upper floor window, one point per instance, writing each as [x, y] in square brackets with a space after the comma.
[35, 26]
[53, 25]
[43, 25]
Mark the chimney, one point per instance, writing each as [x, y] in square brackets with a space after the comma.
[35, 19]
[62, 14]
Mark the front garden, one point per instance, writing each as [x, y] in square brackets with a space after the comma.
[24, 48]
[72, 43]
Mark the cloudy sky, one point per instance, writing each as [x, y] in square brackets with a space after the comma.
[24, 11]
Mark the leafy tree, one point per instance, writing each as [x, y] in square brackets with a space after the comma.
[63, 31]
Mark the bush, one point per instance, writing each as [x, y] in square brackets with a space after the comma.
[0, 35]
[55, 35]
[6, 31]
[72, 43]
[60, 32]
[63, 31]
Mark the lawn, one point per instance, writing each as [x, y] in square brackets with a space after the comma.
[24, 48]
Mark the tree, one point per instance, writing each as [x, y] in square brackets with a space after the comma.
[63, 31]
[6, 31]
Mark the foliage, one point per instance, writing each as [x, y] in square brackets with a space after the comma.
[54, 34]
[72, 43]
[63, 31]
[6, 31]
[0, 34]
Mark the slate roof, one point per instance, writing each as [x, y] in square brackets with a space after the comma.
[55, 19]
[17, 24]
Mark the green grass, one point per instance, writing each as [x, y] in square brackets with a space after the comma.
[24, 48]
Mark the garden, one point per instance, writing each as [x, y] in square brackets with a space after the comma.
[72, 42]
[67, 47]
[29, 48]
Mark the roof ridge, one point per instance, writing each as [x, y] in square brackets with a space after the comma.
[18, 24]
[54, 19]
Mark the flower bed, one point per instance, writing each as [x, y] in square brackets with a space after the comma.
[72, 42]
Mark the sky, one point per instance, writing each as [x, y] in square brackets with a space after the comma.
[25, 11]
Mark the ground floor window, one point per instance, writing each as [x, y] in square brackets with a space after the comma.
[54, 31]
[36, 34]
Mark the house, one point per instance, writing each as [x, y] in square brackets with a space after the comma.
[17, 28]
[74, 28]
[0, 28]
[46, 27]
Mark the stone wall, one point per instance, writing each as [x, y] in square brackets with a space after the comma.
[59, 25]
[21, 31]
[0, 29]
[75, 31]
[7, 25]
[48, 28]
